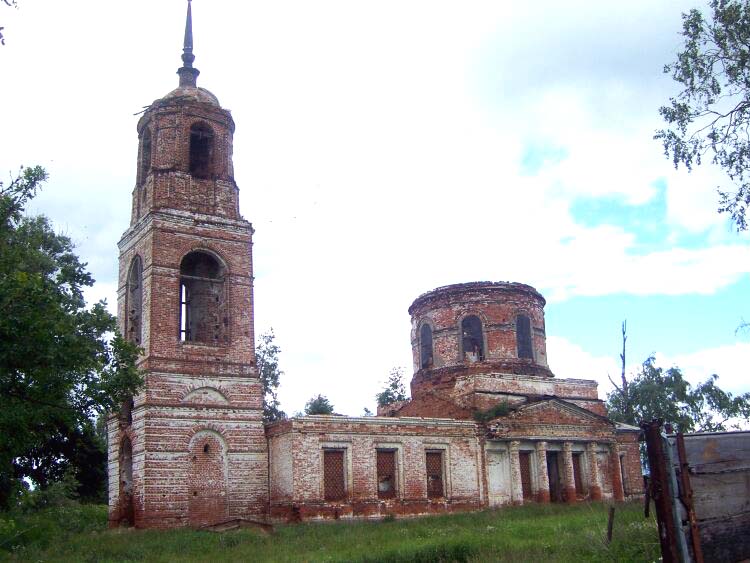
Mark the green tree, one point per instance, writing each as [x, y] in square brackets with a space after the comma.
[267, 360]
[395, 389]
[658, 393]
[61, 363]
[319, 405]
[711, 115]
[13, 4]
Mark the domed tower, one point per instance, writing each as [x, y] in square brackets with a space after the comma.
[481, 326]
[190, 448]
[477, 344]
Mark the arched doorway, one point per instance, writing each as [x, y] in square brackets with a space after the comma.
[208, 502]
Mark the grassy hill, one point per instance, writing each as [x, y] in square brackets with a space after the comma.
[528, 533]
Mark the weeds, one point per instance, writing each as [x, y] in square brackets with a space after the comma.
[528, 533]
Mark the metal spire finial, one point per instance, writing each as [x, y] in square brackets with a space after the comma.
[187, 73]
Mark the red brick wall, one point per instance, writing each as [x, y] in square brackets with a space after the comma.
[296, 448]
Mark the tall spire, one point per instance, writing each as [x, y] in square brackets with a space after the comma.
[188, 75]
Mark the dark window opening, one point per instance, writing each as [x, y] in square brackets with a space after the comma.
[203, 315]
[553, 477]
[205, 448]
[386, 467]
[334, 487]
[145, 154]
[471, 338]
[126, 412]
[523, 337]
[134, 301]
[524, 461]
[578, 475]
[425, 347]
[434, 466]
[201, 147]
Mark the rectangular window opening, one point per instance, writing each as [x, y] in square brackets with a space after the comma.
[434, 466]
[386, 469]
[334, 484]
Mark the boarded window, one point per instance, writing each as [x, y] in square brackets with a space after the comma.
[333, 475]
[145, 154]
[201, 149]
[133, 328]
[578, 475]
[203, 315]
[386, 466]
[471, 339]
[523, 337]
[434, 466]
[425, 346]
[524, 459]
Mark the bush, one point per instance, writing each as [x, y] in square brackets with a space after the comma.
[500, 409]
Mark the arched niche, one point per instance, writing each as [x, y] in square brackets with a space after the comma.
[125, 501]
[207, 479]
[205, 395]
[134, 300]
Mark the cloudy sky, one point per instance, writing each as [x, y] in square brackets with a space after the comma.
[387, 148]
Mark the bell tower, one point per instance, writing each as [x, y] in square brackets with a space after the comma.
[190, 448]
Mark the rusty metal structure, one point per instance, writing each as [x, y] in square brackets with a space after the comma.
[700, 485]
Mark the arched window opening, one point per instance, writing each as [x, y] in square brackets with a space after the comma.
[471, 339]
[523, 337]
[425, 347]
[201, 148]
[203, 316]
[126, 482]
[145, 154]
[133, 320]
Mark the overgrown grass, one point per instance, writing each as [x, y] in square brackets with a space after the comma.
[528, 533]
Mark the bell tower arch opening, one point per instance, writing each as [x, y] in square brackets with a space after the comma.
[202, 299]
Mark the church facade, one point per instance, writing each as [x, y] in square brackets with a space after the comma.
[488, 424]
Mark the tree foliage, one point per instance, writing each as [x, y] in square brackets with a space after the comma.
[711, 115]
[658, 393]
[60, 364]
[13, 4]
[319, 405]
[267, 360]
[395, 389]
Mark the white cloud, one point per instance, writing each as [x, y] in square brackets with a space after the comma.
[378, 153]
[730, 362]
[570, 361]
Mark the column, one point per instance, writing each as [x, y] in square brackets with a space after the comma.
[516, 488]
[614, 456]
[595, 484]
[569, 484]
[542, 479]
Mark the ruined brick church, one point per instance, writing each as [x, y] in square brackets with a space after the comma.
[191, 449]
